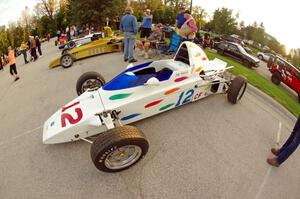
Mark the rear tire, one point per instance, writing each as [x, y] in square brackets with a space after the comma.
[118, 149]
[89, 80]
[260, 57]
[276, 78]
[220, 52]
[67, 60]
[237, 89]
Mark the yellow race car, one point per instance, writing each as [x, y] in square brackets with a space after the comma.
[107, 44]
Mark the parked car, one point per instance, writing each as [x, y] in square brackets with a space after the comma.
[285, 72]
[137, 93]
[265, 56]
[237, 52]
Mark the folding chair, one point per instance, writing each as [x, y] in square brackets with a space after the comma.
[169, 49]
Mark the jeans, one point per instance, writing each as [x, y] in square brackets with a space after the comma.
[291, 144]
[25, 56]
[129, 41]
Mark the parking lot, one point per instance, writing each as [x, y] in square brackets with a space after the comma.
[208, 149]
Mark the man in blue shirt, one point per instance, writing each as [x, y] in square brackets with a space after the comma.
[180, 18]
[129, 26]
[147, 24]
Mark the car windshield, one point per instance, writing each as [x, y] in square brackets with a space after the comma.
[241, 49]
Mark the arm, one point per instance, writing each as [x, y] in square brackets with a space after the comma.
[193, 25]
[121, 25]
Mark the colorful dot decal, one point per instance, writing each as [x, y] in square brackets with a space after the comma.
[180, 79]
[199, 69]
[171, 91]
[130, 116]
[153, 103]
[52, 123]
[119, 96]
[204, 58]
[165, 107]
[197, 54]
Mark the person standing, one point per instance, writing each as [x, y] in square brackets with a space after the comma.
[12, 62]
[288, 148]
[24, 51]
[58, 34]
[180, 18]
[128, 25]
[38, 45]
[1, 64]
[147, 24]
[189, 28]
[68, 33]
[33, 48]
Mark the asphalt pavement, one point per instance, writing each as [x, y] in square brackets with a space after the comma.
[207, 149]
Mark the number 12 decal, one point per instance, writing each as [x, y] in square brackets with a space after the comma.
[188, 96]
[69, 117]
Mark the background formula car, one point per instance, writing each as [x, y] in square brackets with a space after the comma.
[108, 44]
[82, 40]
[137, 93]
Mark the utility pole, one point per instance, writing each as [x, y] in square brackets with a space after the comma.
[191, 8]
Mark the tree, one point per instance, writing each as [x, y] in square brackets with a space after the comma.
[224, 22]
[3, 40]
[199, 15]
[49, 7]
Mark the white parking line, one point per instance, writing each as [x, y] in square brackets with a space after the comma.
[21, 135]
[267, 175]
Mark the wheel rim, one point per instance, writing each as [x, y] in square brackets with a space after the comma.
[67, 60]
[123, 157]
[241, 92]
[91, 84]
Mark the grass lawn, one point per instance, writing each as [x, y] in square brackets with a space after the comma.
[260, 82]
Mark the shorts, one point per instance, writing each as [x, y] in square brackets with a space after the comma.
[13, 69]
[145, 32]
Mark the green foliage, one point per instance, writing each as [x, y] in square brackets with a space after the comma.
[224, 22]
[3, 40]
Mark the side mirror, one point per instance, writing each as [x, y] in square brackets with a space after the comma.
[153, 81]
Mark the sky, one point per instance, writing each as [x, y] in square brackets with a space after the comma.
[278, 17]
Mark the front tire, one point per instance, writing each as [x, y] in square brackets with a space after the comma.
[118, 149]
[276, 78]
[260, 57]
[237, 89]
[89, 80]
[67, 60]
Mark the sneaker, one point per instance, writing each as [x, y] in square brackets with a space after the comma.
[132, 60]
[125, 60]
[273, 162]
[17, 78]
[275, 151]
[146, 56]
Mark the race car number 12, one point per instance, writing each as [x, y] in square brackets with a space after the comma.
[69, 117]
[185, 97]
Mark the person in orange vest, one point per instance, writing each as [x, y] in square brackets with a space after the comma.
[12, 62]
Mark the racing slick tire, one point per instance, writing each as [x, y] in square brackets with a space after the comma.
[67, 60]
[89, 80]
[237, 89]
[276, 78]
[118, 149]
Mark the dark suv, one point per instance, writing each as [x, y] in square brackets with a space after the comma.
[237, 52]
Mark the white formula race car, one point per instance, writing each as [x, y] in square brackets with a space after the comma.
[137, 93]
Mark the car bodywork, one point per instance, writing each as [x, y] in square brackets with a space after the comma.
[137, 93]
[237, 52]
[265, 56]
[285, 72]
[101, 46]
